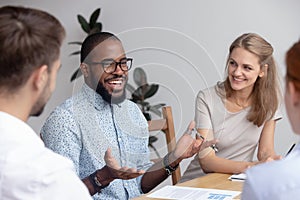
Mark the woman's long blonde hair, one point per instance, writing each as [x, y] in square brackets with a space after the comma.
[266, 91]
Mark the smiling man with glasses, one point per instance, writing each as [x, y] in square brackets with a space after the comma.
[114, 79]
[100, 117]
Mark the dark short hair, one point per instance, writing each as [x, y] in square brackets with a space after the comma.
[29, 38]
[92, 41]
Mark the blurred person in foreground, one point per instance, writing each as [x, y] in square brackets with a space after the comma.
[30, 42]
[280, 180]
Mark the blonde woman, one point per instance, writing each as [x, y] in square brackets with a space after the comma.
[241, 112]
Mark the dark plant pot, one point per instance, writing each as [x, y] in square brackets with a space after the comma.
[147, 116]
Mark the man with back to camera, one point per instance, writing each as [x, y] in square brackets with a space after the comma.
[30, 42]
[100, 117]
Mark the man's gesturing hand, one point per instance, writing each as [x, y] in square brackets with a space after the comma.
[187, 145]
[118, 172]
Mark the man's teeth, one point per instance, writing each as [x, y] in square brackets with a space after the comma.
[116, 82]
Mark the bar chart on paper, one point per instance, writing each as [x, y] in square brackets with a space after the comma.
[189, 193]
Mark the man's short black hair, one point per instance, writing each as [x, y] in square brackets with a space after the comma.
[92, 41]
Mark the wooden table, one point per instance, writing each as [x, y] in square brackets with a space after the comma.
[213, 180]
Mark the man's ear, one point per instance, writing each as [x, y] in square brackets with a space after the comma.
[295, 96]
[40, 77]
[84, 70]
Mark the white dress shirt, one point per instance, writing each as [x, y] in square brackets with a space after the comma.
[30, 171]
[277, 180]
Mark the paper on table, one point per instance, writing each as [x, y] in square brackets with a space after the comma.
[189, 193]
[238, 177]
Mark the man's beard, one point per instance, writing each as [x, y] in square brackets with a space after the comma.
[38, 112]
[109, 98]
[39, 106]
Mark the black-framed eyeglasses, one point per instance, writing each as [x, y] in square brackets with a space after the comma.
[110, 65]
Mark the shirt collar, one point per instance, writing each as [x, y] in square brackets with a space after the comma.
[94, 98]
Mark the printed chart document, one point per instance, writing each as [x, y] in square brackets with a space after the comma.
[238, 177]
[189, 193]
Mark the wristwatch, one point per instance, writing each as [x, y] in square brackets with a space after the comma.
[169, 169]
[95, 182]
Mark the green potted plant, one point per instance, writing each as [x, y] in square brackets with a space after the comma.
[139, 96]
[143, 92]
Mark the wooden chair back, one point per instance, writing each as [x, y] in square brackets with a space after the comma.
[166, 124]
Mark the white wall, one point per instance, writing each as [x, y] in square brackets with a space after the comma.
[182, 45]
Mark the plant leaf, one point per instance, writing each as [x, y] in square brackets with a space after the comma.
[158, 106]
[144, 103]
[133, 100]
[136, 95]
[76, 74]
[98, 26]
[139, 76]
[94, 17]
[79, 43]
[151, 91]
[75, 53]
[155, 110]
[140, 92]
[96, 29]
[84, 24]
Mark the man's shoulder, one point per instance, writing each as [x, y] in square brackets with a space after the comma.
[128, 104]
[65, 106]
[273, 179]
[37, 161]
[275, 171]
[42, 170]
[63, 113]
